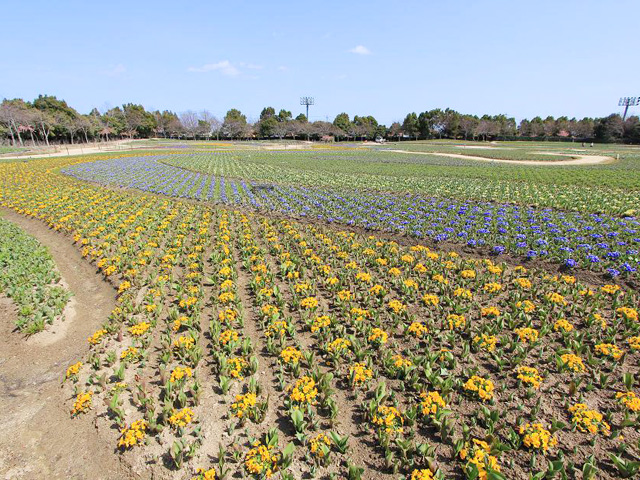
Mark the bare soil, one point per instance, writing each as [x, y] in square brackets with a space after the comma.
[574, 159]
[39, 438]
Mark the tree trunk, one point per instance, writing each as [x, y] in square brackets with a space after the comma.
[33, 141]
[45, 134]
[13, 138]
[18, 133]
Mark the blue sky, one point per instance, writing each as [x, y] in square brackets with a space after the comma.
[363, 57]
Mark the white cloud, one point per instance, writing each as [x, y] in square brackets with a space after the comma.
[360, 50]
[115, 71]
[282, 68]
[225, 67]
[251, 66]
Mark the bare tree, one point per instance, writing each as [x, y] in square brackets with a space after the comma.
[68, 123]
[211, 123]
[45, 123]
[189, 120]
[84, 125]
[12, 115]
[468, 125]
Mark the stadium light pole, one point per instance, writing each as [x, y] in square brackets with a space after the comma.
[307, 101]
[627, 102]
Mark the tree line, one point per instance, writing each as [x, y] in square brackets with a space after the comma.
[48, 120]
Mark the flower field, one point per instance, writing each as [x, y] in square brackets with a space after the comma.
[249, 345]
[597, 242]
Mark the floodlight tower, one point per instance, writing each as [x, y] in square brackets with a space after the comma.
[627, 102]
[307, 101]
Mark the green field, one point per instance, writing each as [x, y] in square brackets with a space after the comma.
[609, 187]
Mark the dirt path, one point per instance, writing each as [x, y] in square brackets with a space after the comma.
[39, 439]
[575, 159]
[81, 149]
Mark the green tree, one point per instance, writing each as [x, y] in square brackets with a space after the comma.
[343, 123]
[267, 112]
[284, 116]
[410, 125]
[267, 127]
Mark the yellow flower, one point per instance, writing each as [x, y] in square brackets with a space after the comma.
[261, 462]
[627, 313]
[183, 342]
[319, 445]
[129, 354]
[430, 299]
[486, 342]
[378, 336]
[179, 373]
[339, 346]
[527, 334]
[181, 418]
[73, 369]
[269, 310]
[422, 474]
[555, 298]
[468, 274]
[359, 374]
[237, 367]
[430, 403]
[363, 277]
[344, 295]
[290, 355]
[96, 338]
[139, 329]
[609, 350]
[490, 312]
[529, 376]
[480, 459]
[320, 322]
[304, 391]
[572, 362]
[456, 322]
[243, 404]
[417, 329]
[228, 336]
[589, 421]
[563, 325]
[463, 293]
[481, 387]
[276, 328]
[527, 306]
[400, 362]
[629, 400]
[309, 303]
[202, 474]
[82, 403]
[492, 287]
[524, 283]
[397, 306]
[610, 289]
[535, 436]
[388, 420]
[225, 298]
[377, 291]
[133, 435]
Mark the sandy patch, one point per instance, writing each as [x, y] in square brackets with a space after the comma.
[575, 160]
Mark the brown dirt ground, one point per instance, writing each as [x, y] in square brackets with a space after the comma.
[39, 439]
